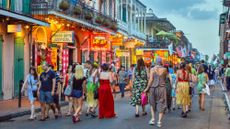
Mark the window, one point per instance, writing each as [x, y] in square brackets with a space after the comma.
[111, 8]
[1, 4]
[104, 7]
[18, 6]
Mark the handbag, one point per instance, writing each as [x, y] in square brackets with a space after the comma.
[69, 89]
[144, 99]
[33, 86]
[96, 93]
[206, 89]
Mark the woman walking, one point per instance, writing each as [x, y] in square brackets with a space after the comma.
[156, 87]
[32, 82]
[202, 81]
[91, 87]
[65, 84]
[106, 101]
[140, 81]
[79, 81]
[183, 97]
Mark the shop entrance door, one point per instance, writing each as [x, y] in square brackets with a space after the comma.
[1, 68]
[18, 63]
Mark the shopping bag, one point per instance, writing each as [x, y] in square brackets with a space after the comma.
[206, 89]
[144, 99]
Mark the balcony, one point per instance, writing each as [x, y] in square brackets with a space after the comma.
[79, 11]
[226, 3]
[156, 43]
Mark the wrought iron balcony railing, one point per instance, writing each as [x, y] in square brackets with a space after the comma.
[156, 43]
[79, 11]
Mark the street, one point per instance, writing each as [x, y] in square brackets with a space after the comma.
[213, 117]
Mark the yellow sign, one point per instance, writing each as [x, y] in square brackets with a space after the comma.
[117, 41]
[14, 28]
[63, 37]
[139, 52]
[122, 53]
[54, 58]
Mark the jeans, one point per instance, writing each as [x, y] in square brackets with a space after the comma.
[46, 97]
[122, 89]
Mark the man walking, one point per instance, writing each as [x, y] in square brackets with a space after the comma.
[122, 80]
[46, 90]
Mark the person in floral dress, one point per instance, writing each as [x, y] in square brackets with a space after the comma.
[140, 80]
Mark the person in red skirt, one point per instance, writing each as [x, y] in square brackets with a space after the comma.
[106, 101]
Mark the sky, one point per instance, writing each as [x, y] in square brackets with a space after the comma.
[198, 19]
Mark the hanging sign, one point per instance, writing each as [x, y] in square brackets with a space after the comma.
[63, 37]
[139, 52]
[14, 28]
[54, 58]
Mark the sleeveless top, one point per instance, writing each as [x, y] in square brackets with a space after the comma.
[185, 77]
[159, 80]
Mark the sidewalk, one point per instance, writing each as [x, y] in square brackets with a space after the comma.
[9, 108]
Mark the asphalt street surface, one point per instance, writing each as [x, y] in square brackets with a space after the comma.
[213, 117]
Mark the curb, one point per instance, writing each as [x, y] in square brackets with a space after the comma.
[9, 116]
[22, 113]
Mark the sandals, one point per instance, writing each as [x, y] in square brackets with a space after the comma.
[68, 114]
[144, 113]
[137, 115]
[93, 114]
[75, 119]
[42, 119]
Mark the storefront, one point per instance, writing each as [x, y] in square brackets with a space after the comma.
[15, 41]
[54, 47]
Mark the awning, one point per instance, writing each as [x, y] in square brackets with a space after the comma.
[7, 13]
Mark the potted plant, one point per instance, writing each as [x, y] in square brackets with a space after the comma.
[99, 19]
[77, 10]
[114, 26]
[64, 5]
[88, 15]
[106, 22]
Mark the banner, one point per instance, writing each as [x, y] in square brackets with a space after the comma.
[170, 47]
[54, 58]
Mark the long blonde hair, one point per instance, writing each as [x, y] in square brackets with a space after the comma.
[79, 72]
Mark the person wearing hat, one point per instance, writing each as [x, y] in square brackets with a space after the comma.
[157, 90]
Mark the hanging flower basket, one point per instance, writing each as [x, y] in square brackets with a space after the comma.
[88, 16]
[114, 26]
[64, 5]
[99, 20]
[106, 22]
[77, 10]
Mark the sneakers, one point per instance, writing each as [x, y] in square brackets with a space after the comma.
[159, 124]
[152, 122]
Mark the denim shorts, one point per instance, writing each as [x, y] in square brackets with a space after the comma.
[77, 94]
[46, 97]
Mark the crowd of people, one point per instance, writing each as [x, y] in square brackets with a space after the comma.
[163, 86]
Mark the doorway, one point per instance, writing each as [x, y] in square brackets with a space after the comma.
[18, 63]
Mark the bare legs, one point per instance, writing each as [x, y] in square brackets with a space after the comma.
[152, 121]
[32, 109]
[202, 101]
[70, 107]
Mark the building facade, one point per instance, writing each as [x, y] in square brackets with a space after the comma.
[15, 40]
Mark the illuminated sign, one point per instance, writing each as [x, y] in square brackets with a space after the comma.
[63, 37]
[14, 28]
